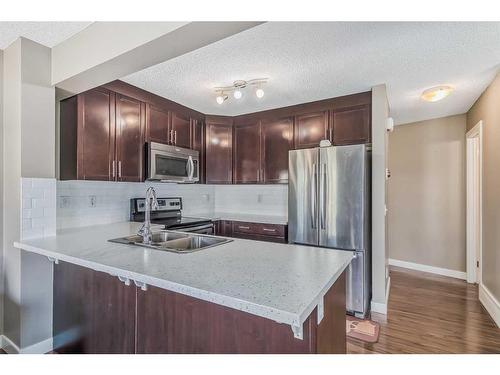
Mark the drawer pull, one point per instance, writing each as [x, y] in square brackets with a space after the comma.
[270, 230]
[242, 227]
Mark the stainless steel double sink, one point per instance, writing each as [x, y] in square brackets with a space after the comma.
[176, 242]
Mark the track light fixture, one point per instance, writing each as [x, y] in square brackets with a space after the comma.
[237, 89]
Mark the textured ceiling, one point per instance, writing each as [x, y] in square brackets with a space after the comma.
[47, 33]
[317, 60]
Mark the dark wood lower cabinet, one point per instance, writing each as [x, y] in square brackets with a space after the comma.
[252, 231]
[93, 312]
[169, 322]
[96, 313]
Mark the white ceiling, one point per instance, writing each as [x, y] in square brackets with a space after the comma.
[317, 60]
[47, 33]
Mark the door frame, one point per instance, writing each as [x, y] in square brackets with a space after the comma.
[474, 206]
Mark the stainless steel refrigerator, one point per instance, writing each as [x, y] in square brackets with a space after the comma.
[329, 206]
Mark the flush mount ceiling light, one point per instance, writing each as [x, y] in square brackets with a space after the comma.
[238, 87]
[437, 93]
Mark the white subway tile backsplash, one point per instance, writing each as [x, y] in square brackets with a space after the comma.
[113, 200]
[38, 207]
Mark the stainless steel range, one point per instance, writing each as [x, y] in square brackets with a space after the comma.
[168, 212]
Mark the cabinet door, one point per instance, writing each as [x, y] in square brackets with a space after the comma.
[351, 125]
[218, 156]
[129, 139]
[96, 135]
[276, 142]
[113, 322]
[158, 121]
[72, 309]
[246, 165]
[181, 130]
[310, 129]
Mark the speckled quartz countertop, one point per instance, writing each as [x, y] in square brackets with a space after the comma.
[276, 281]
[251, 218]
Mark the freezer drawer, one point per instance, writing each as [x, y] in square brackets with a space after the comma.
[358, 285]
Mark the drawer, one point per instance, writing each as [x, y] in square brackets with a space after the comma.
[244, 227]
[274, 230]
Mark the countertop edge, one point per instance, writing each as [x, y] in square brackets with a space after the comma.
[276, 315]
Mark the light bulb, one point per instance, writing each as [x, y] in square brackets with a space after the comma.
[219, 99]
[237, 94]
[259, 93]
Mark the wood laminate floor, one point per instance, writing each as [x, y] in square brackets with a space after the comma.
[429, 313]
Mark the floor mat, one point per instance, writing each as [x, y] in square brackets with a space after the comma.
[362, 329]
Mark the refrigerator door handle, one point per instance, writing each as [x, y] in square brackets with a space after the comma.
[322, 195]
[313, 197]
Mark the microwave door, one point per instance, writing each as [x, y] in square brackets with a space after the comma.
[168, 167]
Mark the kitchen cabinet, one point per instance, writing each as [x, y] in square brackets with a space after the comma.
[88, 136]
[252, 231]
[351, 125]
[94, 312]
[102, 137]
[129, 139]
[181, 130]
[276, 141]
[247, 152]
[197, 143]
[157, 124]
[310, 129]
[218, 151]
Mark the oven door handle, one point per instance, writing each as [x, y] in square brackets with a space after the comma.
[190, 229]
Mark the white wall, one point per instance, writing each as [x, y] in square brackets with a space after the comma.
[28, 152]
[380, 113]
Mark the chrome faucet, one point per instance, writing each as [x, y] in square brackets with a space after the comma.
[151, 203]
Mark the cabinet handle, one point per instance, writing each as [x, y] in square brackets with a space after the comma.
[175, 137]
[171, 137]
[331, 134]
[269, 230]
[113, 168]
[120, 169]
[242, 227]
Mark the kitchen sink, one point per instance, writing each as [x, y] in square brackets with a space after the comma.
[173, 241]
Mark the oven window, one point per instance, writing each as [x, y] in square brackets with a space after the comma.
[170, 166]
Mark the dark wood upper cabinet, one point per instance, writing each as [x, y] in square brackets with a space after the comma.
[157, 124]
[310, 129]
[181, 130]
[95, 135]
[129, 139]
[197, 143]
[247, 151]
[351, 125]
[218, 151]
[276, 141]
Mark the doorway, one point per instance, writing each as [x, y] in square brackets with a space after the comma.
[474, 144]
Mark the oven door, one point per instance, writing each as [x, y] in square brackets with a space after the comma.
[172, 164]
[200, 229]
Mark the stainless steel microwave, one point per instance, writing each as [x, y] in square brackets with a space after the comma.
[172, 164]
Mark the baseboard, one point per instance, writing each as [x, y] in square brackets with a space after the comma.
[425, 268]
[41, 347]
[490, 303]
[381, 308]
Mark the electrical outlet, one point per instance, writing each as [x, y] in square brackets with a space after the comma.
[92, 200]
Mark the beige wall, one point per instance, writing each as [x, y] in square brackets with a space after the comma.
[427, 193]
[487, 109]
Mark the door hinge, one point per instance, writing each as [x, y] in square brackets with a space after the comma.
[477, 264]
